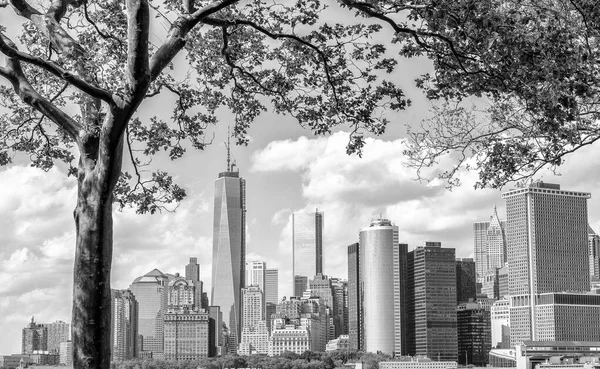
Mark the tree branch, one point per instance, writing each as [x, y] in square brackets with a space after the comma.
[8, 48]
[14, 73]
[138, 24]
[176, 39]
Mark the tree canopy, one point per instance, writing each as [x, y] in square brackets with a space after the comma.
[77, 71]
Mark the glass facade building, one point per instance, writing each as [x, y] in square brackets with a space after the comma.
[490, 245]
[150, 291]
[381, 288]
[229, 250]
[307, 247]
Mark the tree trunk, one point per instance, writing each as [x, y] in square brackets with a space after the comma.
[91, 319]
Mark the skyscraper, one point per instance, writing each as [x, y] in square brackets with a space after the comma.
[381, 288]
[432, 302]
[340, 306]
[466, 288]
[229, 249]
[34, 338]
[255, 274]
[271, 293]
[124, 324]
[150, 291]
[255, 334]
[57, 332]
[192, 273]
[594, 252]
[490, 244]
[307, 246]
[547, 250]
[354, 307]
[474, 334]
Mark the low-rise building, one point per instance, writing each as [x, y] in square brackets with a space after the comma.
[418, 363]
[340, 343]
[66, 353]
[290, 337]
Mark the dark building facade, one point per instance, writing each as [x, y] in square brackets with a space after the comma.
[431, 279]
[466, 278]
[354, 321]
[474, 334]
[34, 338]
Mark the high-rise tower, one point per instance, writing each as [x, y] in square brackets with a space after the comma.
[229, 249]
[307, 247]
[255, 274]
[382, 288]
[150, 291]
[490, 244]
[547, 251]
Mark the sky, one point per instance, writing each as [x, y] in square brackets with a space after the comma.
[287, 169]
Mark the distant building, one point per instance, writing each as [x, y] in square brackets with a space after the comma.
[186, 327]
[192, 273]
[594, 254]
[66, 353]
[15, 360]
[215, 331]
[151, 294]
[500, 321]
[339, 343]
[495, 283]
[57, 332]
[271, 293]
[382, 288]
[255, 334]
[418, 363]
[432, 302]
[466, 288]
[307, 247]
[354, 307]
[124, 325]
[229, 250]
[256, 274]
[340, 306]
[474, 334]
[289, 337]
[34, 338]
[547, 253]
[490, 244]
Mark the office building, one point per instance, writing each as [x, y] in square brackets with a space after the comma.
[466, 279]
[490, 244]
[547, 236]
[382, 288]
[124, 325]
[255, 274]
[354, 307]
[432, 302]
[418, 363]
[340, 306]
[495, 283]
[192, 273]
[215, 338]
[474, 334]
[307, 248]
[271, 293]
[186, 328]
[252, 306]
[339, 343]
[57, 332]
[66, 353]
[500, 324]
[594, 254]
[150, 291]
[289, 337]
[34, 338]
[229, 249]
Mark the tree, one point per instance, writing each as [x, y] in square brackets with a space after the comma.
[79, 70]
[533, 66]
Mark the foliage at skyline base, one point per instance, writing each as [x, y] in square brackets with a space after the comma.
[77, 71]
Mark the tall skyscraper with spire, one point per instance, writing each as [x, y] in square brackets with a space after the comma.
[490, 244]
[307, 248]
[229, 249]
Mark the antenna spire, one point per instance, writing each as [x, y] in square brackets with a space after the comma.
[228, 151]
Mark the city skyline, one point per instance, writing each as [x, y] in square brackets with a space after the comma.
[53, 252]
